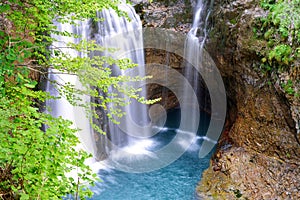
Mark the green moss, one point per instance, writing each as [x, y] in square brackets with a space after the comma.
[279, 30]
[233, 21]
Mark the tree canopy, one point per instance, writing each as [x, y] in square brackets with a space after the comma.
[34, 161]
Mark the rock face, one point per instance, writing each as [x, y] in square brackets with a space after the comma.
[173, 15]
[240, 173]
[258, 153]
[168, 99]
[263, 161]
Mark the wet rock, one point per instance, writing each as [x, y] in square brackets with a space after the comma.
[264, 160]
[173, 15]
[258, 152]
[250, 175]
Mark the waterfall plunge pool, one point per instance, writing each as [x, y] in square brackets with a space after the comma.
[179, 179]
[176, 181]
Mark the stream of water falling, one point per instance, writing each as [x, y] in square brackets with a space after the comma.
[179, 179]
[126, 36]
[61, 107]
[197, 35]
[176, 181]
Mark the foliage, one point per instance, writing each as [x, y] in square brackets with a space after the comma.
[280, 31]
[37, 160]
[88, 74]
[34, 161]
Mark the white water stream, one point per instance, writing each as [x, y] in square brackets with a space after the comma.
[126, 36]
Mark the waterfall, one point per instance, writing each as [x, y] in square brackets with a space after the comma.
[125, 36]
[61, 107]
[202, 62]
[125, 144]
[199, 27]
[196, 39]
[193, 50]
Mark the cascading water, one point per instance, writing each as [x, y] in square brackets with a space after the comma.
[194, 51]
[125, 36]
[195, 41]
[61, 107]
[176, 181]
[200, 21]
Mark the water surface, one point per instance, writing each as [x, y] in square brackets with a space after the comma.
[176, 181]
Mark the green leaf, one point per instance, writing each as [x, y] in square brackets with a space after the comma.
[4, 7]
[2, 33]
[29, 85]
[11, 56]
[24, 196]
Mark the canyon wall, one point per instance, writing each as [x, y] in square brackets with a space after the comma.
[258, 153]
[262, 161]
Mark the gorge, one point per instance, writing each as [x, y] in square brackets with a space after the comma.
[235, 71]
[260, 136]
[134, 145]
[248, 135]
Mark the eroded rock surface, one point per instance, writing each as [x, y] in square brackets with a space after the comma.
[243, 174]
[173, 15]
[264, 159]
[258, 155]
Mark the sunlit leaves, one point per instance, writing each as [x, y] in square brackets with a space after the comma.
[95, 71]
[34, 161]
[40, 159]
[37, 150]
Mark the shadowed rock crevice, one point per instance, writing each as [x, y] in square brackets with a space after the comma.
[176, 62]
